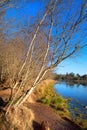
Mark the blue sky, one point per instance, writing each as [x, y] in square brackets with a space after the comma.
[76, 65]
[22, 15]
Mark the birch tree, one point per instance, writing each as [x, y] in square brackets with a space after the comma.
[56, 35]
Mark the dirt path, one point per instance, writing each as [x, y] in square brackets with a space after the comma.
[45, 113]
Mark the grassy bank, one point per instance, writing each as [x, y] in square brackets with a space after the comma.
[49, 97]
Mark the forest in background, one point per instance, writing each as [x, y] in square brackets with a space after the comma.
[72, 78]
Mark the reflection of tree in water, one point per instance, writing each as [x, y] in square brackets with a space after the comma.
[70, 84]
[77, 105]
[72, 79]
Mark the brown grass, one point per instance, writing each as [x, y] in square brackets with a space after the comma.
[20, 119]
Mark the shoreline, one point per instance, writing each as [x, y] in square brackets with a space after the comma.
[62, 110]
[44, 111]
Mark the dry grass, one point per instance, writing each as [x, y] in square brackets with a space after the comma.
[20, 119]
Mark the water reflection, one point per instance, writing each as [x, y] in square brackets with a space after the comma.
[71, 84]
[78, 94]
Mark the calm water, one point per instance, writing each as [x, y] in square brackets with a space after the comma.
[78, 93]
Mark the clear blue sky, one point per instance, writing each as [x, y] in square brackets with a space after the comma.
[76, 65]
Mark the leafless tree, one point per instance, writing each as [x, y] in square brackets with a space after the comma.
[52, 38]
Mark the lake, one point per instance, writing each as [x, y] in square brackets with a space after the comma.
[78, 94]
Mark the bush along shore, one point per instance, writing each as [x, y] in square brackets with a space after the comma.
[48, 96]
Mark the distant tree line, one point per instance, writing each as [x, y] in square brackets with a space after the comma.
[72, 77]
